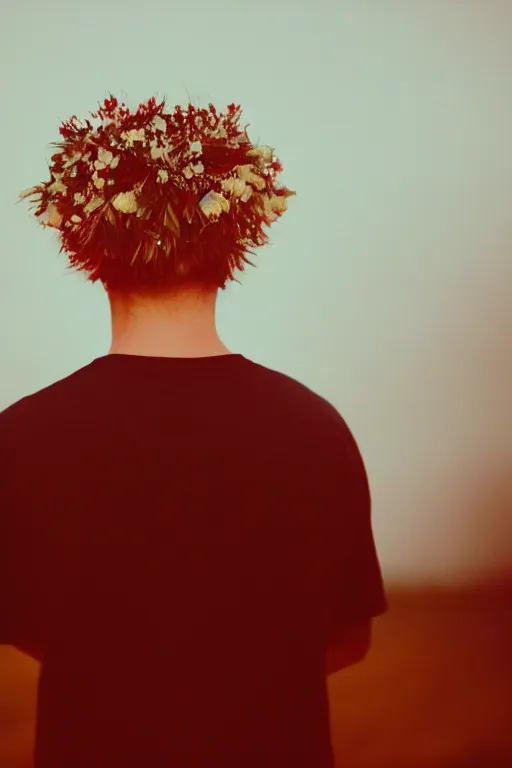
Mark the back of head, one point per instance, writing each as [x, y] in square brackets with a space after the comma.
[150, 201]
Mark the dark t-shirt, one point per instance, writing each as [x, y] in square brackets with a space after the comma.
[182, 537]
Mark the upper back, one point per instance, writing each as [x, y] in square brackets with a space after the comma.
[149, 467]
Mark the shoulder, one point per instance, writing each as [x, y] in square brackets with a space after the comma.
[305, 406]
[332, 441]
[28, 415]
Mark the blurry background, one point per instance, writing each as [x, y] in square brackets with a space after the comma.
[387, 289]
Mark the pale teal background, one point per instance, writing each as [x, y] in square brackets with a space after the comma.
[388, 286]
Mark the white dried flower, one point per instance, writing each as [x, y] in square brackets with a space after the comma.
[57, 186]
[162, 176]
[264, 153]
[220, 133]
[159, 123]
[158, 152]
[214, 204]
[130, 137]
[105, 157]
[126, 202]
[247, 194]
[190, 170]
[274, 206]
[93, 204]
[98, 183]
[279, 204]
[52, 217]
[246, 172]
[234, 186]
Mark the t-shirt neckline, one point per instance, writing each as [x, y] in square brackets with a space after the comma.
[155, 361]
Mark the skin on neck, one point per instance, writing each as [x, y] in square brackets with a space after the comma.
[173, 323]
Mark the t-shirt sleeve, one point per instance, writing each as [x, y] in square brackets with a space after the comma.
[357, 586]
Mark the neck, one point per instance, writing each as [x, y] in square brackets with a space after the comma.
[173, 324]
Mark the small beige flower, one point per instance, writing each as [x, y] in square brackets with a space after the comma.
[220, 133]
[53, 217]
[275, 206]
[159, 123]
[57, 187]
[196, 147]
[164, 152]
[246, 173]
[237, 187]
[134, 135]
[106, 159]
[79, 198]
[264, 153]
[214, 204]
[192, 170]
[126, 202]
[98, 183]
[279, 204]
[247, 194]
[162, 176]
[156, 152]
[93, 204]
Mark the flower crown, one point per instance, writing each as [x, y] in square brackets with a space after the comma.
[146, 188]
